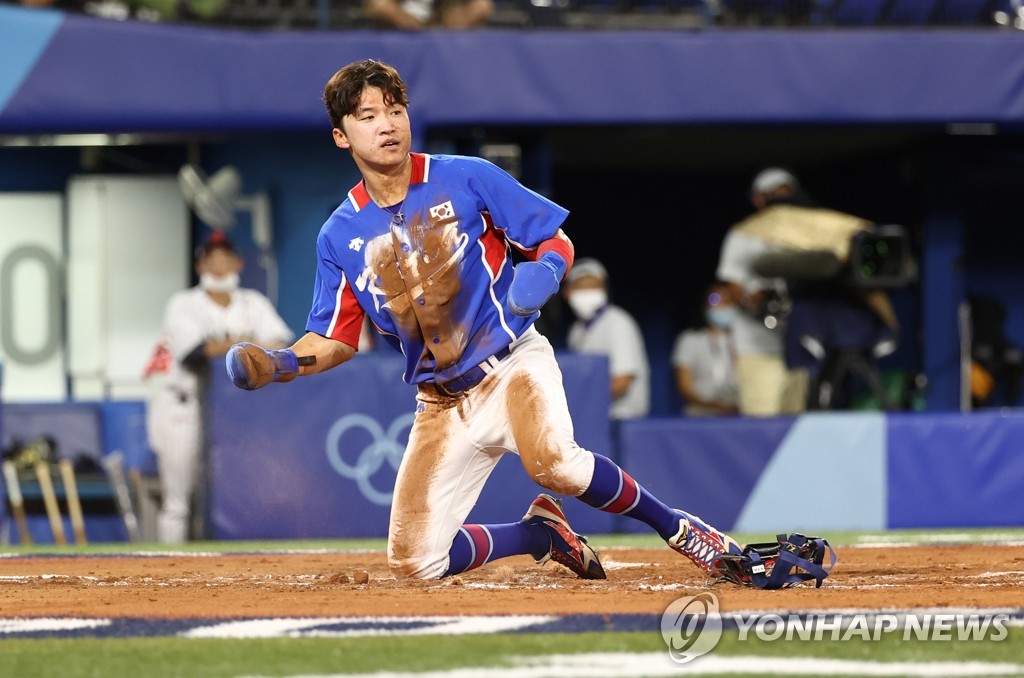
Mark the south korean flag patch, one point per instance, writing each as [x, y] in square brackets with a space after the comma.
[443, 212]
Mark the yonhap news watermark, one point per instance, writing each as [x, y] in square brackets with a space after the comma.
[692, 626]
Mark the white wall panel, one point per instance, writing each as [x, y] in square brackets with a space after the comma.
[129, 252]
[31, 291]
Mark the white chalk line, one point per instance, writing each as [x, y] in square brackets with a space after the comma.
[628, 665]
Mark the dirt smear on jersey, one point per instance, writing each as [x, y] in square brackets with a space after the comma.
[333, 584]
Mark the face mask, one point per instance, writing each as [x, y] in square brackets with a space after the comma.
[219, 283]
[586, 303]
[721, 317]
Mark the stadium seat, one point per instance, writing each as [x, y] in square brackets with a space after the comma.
[911, 12]
[856, 12]
[966, 12]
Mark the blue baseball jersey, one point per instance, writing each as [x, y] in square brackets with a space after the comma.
[435, 282]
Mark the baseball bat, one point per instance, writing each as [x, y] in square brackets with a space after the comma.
[17, 502]
[113, 463]
[67, 475]
[50, 501]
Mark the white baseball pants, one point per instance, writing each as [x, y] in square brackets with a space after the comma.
[175, 434]
[455, 443]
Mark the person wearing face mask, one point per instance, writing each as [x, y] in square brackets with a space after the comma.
[602, 327]
[200, 324]
[705, 359]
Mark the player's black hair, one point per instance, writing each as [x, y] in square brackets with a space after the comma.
[343, 90]
[216, 240]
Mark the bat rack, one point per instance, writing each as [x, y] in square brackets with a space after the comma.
[48, 488]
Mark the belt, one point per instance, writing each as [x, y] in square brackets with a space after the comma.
[470, 377]
[181, 396]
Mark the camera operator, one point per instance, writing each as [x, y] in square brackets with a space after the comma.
[789, 267]
[766, 386]
[839, 324]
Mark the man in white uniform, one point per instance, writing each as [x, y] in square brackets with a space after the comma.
[604, 328]
[200, 323]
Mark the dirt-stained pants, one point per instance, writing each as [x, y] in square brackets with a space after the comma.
[455, 443]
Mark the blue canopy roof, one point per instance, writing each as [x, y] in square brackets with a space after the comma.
[62, 73]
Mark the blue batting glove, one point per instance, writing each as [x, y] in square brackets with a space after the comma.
[534, 282]
[237, 361]
[251, 367]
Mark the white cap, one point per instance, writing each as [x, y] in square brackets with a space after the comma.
[584, 267]
[771, 179]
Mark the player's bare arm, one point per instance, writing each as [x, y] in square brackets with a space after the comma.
[214, 348]
[560, 234]
[251, 367]
[327, 353]
[685, 386]
[621, 384]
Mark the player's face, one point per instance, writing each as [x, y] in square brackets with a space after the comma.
[377, 134]
[219, 262]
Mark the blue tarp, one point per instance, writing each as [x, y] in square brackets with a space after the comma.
[77, 73]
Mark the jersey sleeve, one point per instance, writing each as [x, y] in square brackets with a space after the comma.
[336, 312]
[183, 326]
[526, 217]
[685, 351]
[737, 261]
[627, 355]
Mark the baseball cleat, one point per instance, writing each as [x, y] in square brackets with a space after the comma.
[567, 547]
[700, 542]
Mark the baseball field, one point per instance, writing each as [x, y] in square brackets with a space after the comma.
[940, 603]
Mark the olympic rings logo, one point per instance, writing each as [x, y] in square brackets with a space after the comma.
[383, 448]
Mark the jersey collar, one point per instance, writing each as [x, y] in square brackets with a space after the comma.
[360, 198]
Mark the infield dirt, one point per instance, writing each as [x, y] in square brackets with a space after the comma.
[357, 584]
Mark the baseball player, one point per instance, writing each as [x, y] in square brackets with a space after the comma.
[200, 323]
[422, 245]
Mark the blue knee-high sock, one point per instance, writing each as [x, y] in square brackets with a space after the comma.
[613, 490]
[476, 545]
